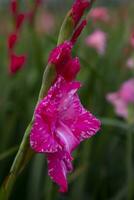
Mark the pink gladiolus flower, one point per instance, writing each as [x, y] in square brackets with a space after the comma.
[99, 14]
[97, 40]
[78, 9]
[16, 63]
[60, 124]
[130, 63]
[122, 98]
[66, 66]
[12, 40]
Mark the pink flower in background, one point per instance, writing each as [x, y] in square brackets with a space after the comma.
[16, 63]
[19, 20]
[97, 40]
[12, 40]
[14, 7]
[119, 105]
[19, 17]
[130, 63]
[122, 98]
[100, 14]
[60, 124]
[127, 91]
[132, 39]
[78, 9]
[45, 22]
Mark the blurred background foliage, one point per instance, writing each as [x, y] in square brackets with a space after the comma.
[100, 164]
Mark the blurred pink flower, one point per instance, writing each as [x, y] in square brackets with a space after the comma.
[45, 22]
[127, 91]
[12, 38]
[122, 98]
[119, 105]
[97, 40]
[60, 124]
[99, 14]
[14, 7]
[130, 63]
[16, 63]
[19, 20]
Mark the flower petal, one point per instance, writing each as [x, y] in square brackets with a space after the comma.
[59, 164]
[86, 125]
[61, 54]
[66, 137]
[81, 122]
[41, 139]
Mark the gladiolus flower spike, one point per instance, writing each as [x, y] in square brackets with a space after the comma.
[60, 124]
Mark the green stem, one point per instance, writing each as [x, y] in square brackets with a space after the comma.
[129, 166]
[66, 28]
[18, 163]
